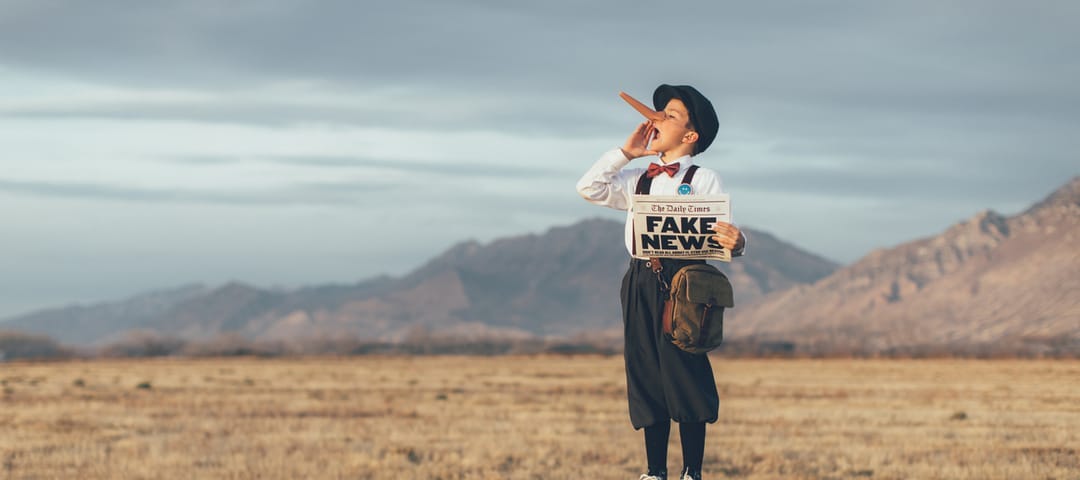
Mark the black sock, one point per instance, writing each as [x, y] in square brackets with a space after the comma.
[693, 445]
[656, 441]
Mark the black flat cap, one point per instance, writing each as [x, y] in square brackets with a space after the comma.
[702, 115]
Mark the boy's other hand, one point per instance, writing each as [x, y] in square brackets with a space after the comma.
[637, 145]
[729, 236]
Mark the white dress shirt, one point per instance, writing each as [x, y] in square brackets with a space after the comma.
[611, 185]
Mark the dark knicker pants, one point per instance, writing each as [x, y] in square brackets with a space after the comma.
[663, 383]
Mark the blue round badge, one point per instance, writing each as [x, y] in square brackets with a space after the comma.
[685, 189]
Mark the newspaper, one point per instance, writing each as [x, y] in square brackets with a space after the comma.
[680, 226]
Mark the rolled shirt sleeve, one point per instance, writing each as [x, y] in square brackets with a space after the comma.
[606, 183]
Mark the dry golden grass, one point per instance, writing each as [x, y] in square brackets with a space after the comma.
[530, 417]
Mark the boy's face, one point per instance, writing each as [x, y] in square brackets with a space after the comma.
[674, 130]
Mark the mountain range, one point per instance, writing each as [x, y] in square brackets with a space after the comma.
[990, 278]
[562, 282]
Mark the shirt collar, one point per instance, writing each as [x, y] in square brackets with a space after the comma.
[684, 162]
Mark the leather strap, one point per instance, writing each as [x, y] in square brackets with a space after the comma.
[655, 265]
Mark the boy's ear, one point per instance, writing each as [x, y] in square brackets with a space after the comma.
[690, 137]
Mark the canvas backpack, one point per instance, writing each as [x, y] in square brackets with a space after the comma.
[694, 309]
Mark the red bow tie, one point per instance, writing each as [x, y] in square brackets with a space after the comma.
[670, 169]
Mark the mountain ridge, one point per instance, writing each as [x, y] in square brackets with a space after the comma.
[989, 278]
[559, 282]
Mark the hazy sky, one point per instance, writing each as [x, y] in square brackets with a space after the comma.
[296, 142]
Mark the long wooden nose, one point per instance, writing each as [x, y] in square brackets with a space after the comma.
[642, 108]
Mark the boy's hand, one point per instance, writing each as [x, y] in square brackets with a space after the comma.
[729, 236]
[637, 145]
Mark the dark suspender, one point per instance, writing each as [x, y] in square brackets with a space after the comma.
[689, 176]
[644, 184]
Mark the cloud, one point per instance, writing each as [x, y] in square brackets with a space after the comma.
[312, 193]
[420, 110]
[459, 171]
[827, 72]
[485, 46]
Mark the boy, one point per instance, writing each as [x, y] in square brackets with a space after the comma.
[663, 383]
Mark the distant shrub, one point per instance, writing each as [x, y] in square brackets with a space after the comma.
[143, 344]
[25, 346]
[229, 345]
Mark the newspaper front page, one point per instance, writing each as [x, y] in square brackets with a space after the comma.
[680, 226]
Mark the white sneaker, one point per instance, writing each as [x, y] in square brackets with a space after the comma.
[686, 476]
[646, 476]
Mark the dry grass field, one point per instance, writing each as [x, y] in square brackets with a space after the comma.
[546, 417]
